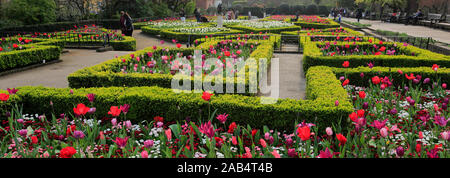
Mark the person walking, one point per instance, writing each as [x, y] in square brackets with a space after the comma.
[358, 14]
[128, 25]
[123, 27]
[197, 15]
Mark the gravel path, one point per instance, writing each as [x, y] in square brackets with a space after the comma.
[55, 75]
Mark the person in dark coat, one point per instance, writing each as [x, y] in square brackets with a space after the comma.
[122, 22]
[128, 25]
[197, 15]
[358, 13]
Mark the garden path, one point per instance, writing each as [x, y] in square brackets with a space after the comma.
[412, 30]
[55, 75]
[292, 81]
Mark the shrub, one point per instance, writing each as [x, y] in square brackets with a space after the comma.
[312, 56]
[34, 53]
[323, 89]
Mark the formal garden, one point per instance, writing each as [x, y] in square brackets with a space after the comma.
[365, 97]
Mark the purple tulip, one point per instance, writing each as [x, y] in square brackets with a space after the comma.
[148, 143]
[406, 88]
[444, 106]
[23, 132]
[426, 80]
[365, 105]
[78, 134]
[92, 110]
[393, 111]
[400, 151]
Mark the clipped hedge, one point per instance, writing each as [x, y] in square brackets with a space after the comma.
[264, 30]
[354, 74]
[103, 75]
[327, 31]
[312, 56]
[33, 53]
[147, 102]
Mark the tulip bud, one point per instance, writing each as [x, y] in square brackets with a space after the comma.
[361, 75]
[128, 124]
[148, 143]
[400, 151]
[383, 132]
[114, 122]
[329, 131]
[444, 85]
[336, 103]
[365, 105]
[71, 91]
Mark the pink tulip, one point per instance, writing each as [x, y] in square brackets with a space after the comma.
[383, 132]
[329, 131]
[168, 134]
[234, 140]
[263, 143]
[144, 154]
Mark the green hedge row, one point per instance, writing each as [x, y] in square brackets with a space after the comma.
[103, 75]
[354, 74]
[326, 32]
[312, 56]
[264, 30]
[146, 102]
[33, 53]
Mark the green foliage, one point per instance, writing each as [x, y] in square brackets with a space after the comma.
[34, 53]
[312, 56]
[103, 75]
[323, 89]
[31, 11]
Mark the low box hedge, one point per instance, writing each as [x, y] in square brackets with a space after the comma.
[37, 52]
[327, 31]
[312, 56]
[103, 75]
[323, 89]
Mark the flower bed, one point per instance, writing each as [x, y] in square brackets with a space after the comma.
[265, 26]
[384, 122]
[164, 102]
[109, 74]
[377, 54]
[316, 22]
[21, 51]
[91, 36]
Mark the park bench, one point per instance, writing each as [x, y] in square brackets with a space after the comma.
[443, 22]
[430, 20]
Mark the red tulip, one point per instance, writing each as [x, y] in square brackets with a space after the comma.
[81, 109]
[410, 77]
[178, 45]
[114, 111]
[345, 82]
[360, 113]
[353, 116]
[346, 64]
[304, 133]
[341, 139]
[4, 97]
[34, 140]
[67, 152]
[362, 94]
[435, 67]
[382, 49]
[206, 96]
[376, 80]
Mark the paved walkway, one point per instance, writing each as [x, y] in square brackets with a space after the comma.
[55, 75]
[292, 82]
[412, 30]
